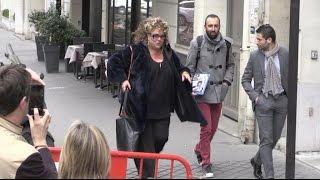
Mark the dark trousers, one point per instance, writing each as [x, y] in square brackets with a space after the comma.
[152, 139]
[271, 114]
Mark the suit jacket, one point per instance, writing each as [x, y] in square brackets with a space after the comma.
[255, 69]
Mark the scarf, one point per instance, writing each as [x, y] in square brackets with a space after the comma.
[272, 82]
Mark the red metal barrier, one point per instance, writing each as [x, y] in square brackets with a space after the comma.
[119, 162]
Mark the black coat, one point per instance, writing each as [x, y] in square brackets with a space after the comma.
[117, 70]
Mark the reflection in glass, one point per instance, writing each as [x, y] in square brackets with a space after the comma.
[120, 18]
[146, 9]
[128, 22]
[185, 21]
[119, 22]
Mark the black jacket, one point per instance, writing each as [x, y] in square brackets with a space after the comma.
[117, 71]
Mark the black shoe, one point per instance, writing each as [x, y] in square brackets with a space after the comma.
[256, 169]
[199, 158]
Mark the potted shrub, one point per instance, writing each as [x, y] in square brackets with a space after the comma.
[70, 33]
[36, 18]
[58, 31]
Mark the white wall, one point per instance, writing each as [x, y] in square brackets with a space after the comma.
[279, 18]
[206, 7]
[65, 7]
[167, 9]
[73, 9]
[246, 120]
[48, 3]
[21, 9]
[29, 6]
[37, 4]
[7, 4]
[308, 126]
[0, 14]
[19, 16]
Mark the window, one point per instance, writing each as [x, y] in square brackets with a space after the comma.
[120, 13]
[146, 9]
[120, 19]
[58, 6]
[185, 21]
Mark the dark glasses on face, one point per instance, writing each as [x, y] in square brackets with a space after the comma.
[157, 36]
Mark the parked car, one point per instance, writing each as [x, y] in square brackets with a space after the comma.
[186, 13]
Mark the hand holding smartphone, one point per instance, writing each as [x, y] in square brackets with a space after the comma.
[39, 127]
[37, 99]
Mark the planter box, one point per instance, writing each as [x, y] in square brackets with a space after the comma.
[51, 56]
[62, 50]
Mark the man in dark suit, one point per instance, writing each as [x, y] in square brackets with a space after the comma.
[268, 67]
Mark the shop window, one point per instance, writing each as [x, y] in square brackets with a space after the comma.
[185, 21]
[58, 6]
[120, 19]
[146, 9]
[121, 15]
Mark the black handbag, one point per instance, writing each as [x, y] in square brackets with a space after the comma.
[127, 128]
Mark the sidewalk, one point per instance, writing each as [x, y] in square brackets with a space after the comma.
[68, 99]
[303, 159]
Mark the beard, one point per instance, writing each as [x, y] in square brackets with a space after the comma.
[212, 34]
[264, 47]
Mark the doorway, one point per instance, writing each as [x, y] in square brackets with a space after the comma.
[234, 31]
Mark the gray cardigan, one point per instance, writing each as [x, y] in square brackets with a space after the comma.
[213, 61]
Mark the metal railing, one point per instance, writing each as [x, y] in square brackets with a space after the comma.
[119, 162]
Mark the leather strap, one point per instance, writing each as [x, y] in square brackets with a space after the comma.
[124, 102]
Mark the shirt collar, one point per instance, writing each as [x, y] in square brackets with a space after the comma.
[10, 126]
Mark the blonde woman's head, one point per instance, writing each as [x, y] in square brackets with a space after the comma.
[148, 26]
[85, 153]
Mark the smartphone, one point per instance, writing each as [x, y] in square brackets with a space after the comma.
[37, 99]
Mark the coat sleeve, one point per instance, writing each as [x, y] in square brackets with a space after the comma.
[247, 78]
[118, 66]
[38, 166]
[192, 54]
[229, 68]
[180, 67]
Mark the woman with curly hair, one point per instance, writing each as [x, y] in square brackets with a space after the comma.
[158, 84]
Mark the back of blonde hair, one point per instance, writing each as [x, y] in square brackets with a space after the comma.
[85, 153]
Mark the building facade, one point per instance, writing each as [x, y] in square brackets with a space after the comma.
[113, 21]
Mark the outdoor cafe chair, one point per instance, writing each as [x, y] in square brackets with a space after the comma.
[87, 47]
[81, 40]
[110, 48]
